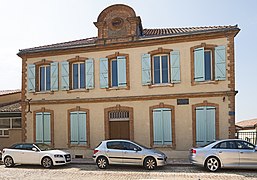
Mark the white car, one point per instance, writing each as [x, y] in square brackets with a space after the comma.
[34, 153]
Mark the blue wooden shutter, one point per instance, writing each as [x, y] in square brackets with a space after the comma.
[199, 64]
[146, 69]
[39, 127]
[74, 127]
[82, 128]
[200, 126]
[122, 74]
[54, 76]
[220, 63]
[210, 124]
[157, 127]
[167, 127]
[175, 66]
[65, 75]
[31, 78]
[89, 73]
[104, 73]
[47, 127]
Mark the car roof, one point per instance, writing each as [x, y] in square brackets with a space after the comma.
[114, 140]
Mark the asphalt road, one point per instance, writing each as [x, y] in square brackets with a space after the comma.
[81, 172]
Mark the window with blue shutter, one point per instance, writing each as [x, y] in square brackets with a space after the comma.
[205, 125]
[146, 69]
[175, 66]
[45, 78]
[220, 63]
[31, 78]
[114, 73]
[162, 126]
[78, 127]
[54, 76]
[89, 73]
[160, 69]
[43, 127]
[78, 75]
[122, 73]
[104, 73]
[199, 64]
[65, 75]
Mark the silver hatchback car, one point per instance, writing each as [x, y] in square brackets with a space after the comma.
[127, 153]
[228, 153]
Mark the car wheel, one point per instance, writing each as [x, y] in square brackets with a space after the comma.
[8, 161]
[102, 162]
[47, 162]
[150, 163]
[212, 164]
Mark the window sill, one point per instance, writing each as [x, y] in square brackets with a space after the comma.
[117, 88]
[205, 82]
[77, 90]
[43, 92]
[161, 85]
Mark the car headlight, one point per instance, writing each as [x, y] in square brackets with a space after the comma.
[58, 156]
[159, 155]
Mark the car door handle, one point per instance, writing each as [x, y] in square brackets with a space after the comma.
[220, 151]
[241, 152]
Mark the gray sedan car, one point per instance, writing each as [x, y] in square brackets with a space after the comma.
[127, 152]
[229, 153]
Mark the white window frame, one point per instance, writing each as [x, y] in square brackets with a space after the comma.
[11, 126]
[212, 69]
[79, 69]
[168, 59]
[44, 66]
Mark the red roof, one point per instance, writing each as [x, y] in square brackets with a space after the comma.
[252, 123]
[7, 92]
[147, 33]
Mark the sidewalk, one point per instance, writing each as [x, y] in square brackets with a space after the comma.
[170, 162]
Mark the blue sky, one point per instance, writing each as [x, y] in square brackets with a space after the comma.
[31, 23]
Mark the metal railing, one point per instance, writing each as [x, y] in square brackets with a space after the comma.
[247, 136]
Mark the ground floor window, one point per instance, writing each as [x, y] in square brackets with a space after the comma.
[78, 128]
[7, 123]
[162, 126]
[43, 127]
[205, 125]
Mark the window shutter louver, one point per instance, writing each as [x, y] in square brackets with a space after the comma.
[89, 73]
[199, 64]
[82, 128]
[167, 128]
[157, 127]
[146, 69]
[220, 63]
[104, 73]
[200, 126]
[54, 76]
[74, 127]
[121, 62]
[65, 75]
[210, 123]
[175, 66]
[31, 78]
[39, 127]
[47, 128]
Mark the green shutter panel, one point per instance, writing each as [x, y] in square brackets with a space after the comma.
[65, 75]
[175, 66]
[220, 63]
[31, 78]
[47, 128]
[54, 76]
[210, 124]
[82, 128]
[104, 73]
[74, 124]
[89, 73]
[39, 127]
[121, 64]
[200, 126]
[199, 64]
[146, 69]
[157, 127]
[167, 127]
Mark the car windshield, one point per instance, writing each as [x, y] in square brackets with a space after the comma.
[43, 147]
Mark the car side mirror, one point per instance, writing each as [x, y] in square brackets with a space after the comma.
[34, 149]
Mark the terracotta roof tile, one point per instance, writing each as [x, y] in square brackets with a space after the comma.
[247, 123]
[11, 107]
[6, 92]
[147, 33]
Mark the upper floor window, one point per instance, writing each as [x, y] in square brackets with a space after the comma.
[161, 66]
[42, 76]
[209, 63]
[77, 73]
[45, 78]
[114, 71]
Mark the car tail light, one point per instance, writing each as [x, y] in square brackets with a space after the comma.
[193, 151]
[96, 151]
